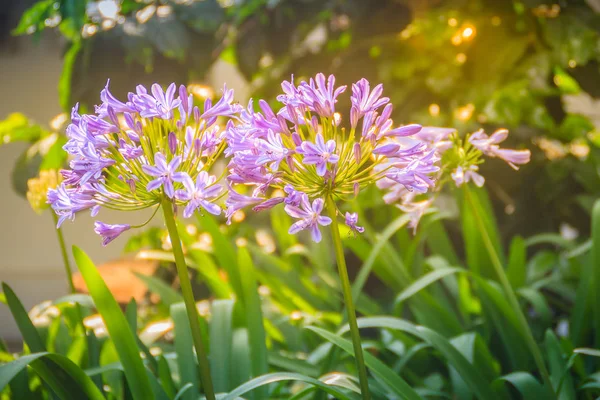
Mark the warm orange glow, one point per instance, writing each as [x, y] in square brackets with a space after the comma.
[434, 110]
[452, 21]
[296, 316]
[456, 40]
[468, 32]
[461, 58]
[238, 216]
[57, 122]
[201, 91]
[465, 113]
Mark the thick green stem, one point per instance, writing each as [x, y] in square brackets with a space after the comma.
[510, 293]
[65, 255]
[347, 290]
[188, 297]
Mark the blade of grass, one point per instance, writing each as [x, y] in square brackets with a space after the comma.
[186, 362]
[167, 294]
[279, 377]
[596, 277]
[240, 352]
[425, 281]
[117, 326]
[527, 385]
[388, 376]
[472, 376]
[220, 343]
[254, 319]
[78, 385]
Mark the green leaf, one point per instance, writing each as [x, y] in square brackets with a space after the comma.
[220, 343]
[53, 369]
[472, 376]
[425, 281]
[83, 299]
[587, 352]
[66, 76]
[517, 271]
[387, 376]
[185, 389]
[241, 369]
[167, 294]
[28, 331]
[557, 363]
[365, 269]
[254, 319]
[186, 361]
[502, 316]
[117, 326]
[279, 377]
[58, 379]
[476, 204]
[224, 251]
[17, 128]
[34, 17]
[595, 260]
[527, 385]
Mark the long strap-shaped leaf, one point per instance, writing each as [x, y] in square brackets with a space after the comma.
[78, 386]
[279, 377]
[254, 319]
[57, 379]
[468, 372]
[387, 375]
[117, 326]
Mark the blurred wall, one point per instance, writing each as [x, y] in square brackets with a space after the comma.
[30, 260]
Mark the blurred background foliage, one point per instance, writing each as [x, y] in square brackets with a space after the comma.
[530, 66]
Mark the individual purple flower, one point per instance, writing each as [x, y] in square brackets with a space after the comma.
[236, 202]
[268, 204]
[130, 150]
[489, 145]
[67, 202]
[108, 100]
[320, 96]
[415, 211]
[272, 150]
[352, 220]
[293, 197]
[462, 175]
[319, 153]
[165, 101]
[223, 107]
[89, 164]
[364, 100]
[201, 194]
[165, 174]
[310, 217]
[109, 232]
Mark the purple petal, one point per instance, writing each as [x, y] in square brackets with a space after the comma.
[155, 184]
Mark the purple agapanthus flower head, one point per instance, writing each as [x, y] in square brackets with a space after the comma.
[461, 158]
[304, 155]
[130, 155]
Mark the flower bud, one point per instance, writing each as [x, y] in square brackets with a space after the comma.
[172, 142]
[357, 152]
